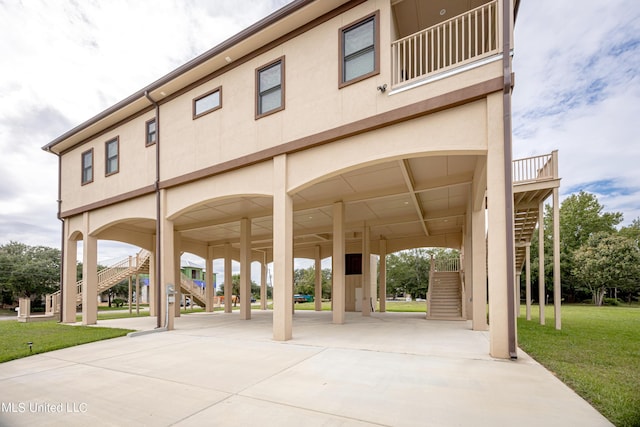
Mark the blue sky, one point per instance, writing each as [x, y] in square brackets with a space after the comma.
[578, 90]
[577, 67]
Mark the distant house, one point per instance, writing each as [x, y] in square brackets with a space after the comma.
[333, 128]
[192, 270]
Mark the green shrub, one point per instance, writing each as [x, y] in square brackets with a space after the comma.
[611, 301]
[118, 302]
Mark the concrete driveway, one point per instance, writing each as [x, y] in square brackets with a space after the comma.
[392, 369]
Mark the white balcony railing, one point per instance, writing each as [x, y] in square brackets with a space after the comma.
[537, 168]
[460, 40]
[445, 265]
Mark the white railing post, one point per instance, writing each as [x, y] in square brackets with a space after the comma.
[535, 168]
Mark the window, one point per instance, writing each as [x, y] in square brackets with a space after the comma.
[87, 167]
[359, 55]
[270, 88]
[207, 103]
[151, 132]
[111, 157]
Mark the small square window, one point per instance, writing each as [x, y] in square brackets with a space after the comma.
[207, 103]
[151, 132]
[87, 167]
[270, 88]
[111, 157]
[359, 52]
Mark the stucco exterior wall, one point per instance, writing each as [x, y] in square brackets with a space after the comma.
[136, 166]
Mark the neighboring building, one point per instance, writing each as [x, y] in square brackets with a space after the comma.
[193, 271]
[328, 128]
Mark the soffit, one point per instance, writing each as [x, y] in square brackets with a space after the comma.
[412, 16]
[377, 196]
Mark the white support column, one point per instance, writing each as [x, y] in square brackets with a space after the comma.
[209, 285]
[245, 269]
[318, 280]
[527, 268]
[382, 286]
[228, 279]
[366, 271]
[89, 275]
[541, 285]
[177, 276]
[498, 268]
[338, 293]
[468, 262]
[557, 289]
[130, 295]
[70, 278]
[263, 282]
[479, 270]
[153, 283]
[167, 263]
[138, 296]
[282, 252]
[516, 307]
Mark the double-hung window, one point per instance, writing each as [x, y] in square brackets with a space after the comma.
[207, 103]
[270, 88]
[87, 167]
[151, 132]
[359, 50]
[111, 157]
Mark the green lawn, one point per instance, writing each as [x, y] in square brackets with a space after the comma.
[404, 306]
[597, 353]
[47, 336]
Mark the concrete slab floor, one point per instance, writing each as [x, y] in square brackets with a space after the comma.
[391, 369]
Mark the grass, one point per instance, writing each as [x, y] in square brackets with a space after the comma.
[7, 312]
[404, 306]
[47, 336]
[597, 354]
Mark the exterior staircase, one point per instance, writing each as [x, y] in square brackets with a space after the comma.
[107, 278]
[445, 296]
[189, 288]
[534, 179]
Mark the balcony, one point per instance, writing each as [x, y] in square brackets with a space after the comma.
[463, 39]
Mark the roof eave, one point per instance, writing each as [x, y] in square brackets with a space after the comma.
[199, 60]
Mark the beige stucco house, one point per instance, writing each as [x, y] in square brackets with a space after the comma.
[329, 128]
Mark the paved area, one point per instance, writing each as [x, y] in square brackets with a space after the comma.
[392, 369]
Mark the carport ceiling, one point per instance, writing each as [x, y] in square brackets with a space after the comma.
[397, 199]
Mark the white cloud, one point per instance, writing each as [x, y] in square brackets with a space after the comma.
[578, 91]
[63, 62]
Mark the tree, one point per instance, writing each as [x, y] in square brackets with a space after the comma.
[607, 261]
[632, 231]
[304, 282]
[408, 271]
[581, 216]
[235, 287]
[29, 271]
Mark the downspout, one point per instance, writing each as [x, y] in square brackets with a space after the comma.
[158, 212]
[508, 181]
[62, 239]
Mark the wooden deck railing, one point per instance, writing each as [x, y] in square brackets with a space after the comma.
[535, 168]
[460, 40]
[446, 265]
